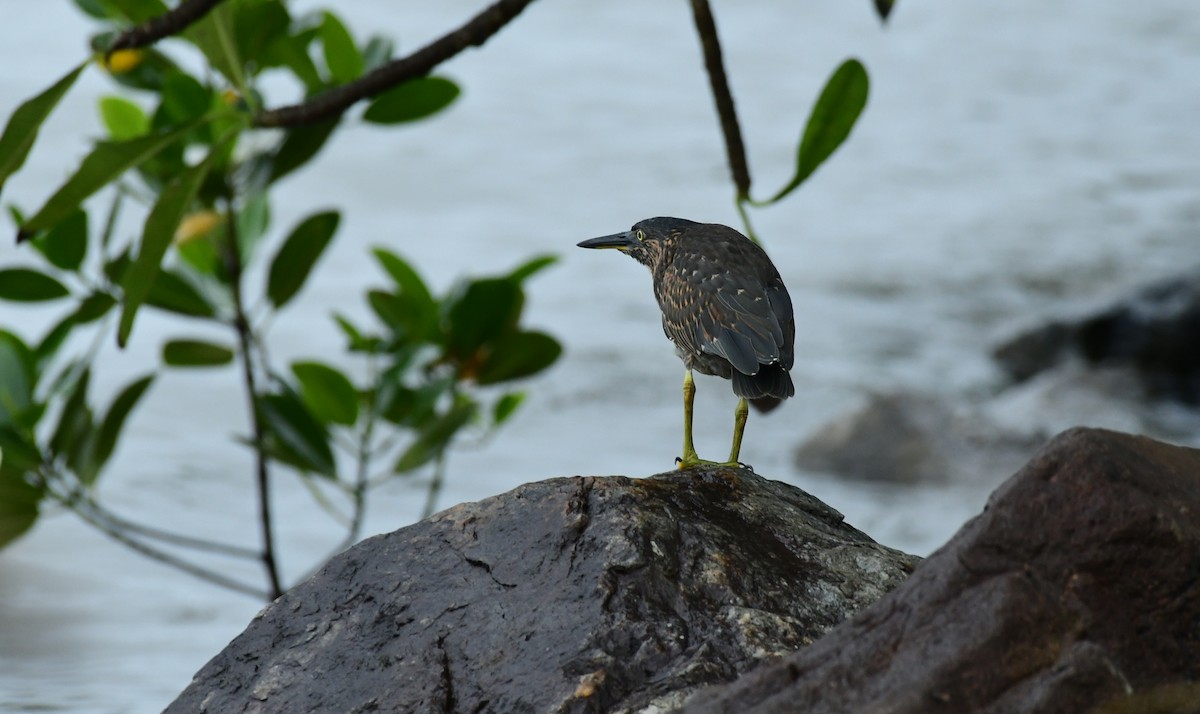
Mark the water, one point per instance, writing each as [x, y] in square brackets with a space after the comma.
[1014, 162]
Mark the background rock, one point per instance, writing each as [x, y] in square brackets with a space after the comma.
[1155, 331]
[1077, 590]
[582, 594]
[904, 437]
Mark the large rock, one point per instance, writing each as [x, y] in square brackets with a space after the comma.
[581, 594]
[1155, 331]
[1077, 590]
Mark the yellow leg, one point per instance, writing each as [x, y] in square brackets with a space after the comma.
[740, 413]
[689, 458]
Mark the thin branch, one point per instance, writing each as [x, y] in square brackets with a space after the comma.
[246, 343]
[151, 552]
[176, 539]
[333, 103]
[186, 14]
[706, 27]
[435, 485]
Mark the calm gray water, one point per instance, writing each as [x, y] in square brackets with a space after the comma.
[1016, 160]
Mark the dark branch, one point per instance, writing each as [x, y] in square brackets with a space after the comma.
[156, 28]
[233, 265]
[706, 27]
[333, 103]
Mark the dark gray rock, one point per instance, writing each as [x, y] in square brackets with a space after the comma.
[569, 595]
[1155, 332]
[905, 437]
[1077, 590]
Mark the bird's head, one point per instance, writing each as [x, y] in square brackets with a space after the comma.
[646, 241]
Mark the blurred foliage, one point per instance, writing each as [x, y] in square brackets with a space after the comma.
[181, 148]
[184, 150]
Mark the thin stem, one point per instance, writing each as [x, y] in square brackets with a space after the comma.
[151, 552]
[246, 347]
[187, 13]
[435, 485]
[735, 149]
[334, 102]
[176, 539]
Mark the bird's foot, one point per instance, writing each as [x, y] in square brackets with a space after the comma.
[683, 462]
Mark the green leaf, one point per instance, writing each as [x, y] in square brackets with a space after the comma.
[884, 8]
[505, 406]
[157, 232]
[342, 57]
[407, 407]
[291, 51]
[65, 245]
[299, 253]
[113, 423]
[17, 377]
[184, 99]
[173, 293]
[252, 222]
[485, 309]
[833, 116]
[98, 9]
[22, 128]
[356, 340]
[123, 119]
[53, 340]
[73, 437]
[138, 11]
[532, 266]
[18, 498]
[517, 355]
[415, 99]
[151, 73]
[435, 437]
[299, 146]
[195, 353]
[412, 310]
[257, 26]
[107, 161]
[214, 35]
[296, 437]
[93, 307]
[377, 53]
[27, 285]
[330, 396]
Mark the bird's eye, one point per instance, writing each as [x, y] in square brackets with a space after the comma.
[640, 234]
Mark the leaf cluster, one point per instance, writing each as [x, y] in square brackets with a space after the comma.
[177, 150]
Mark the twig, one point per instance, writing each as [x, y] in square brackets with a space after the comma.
[176, 539]
[151, 552]
[241, 324]
[707, 29]
[333, 103]
[435, 485]
[173, 22]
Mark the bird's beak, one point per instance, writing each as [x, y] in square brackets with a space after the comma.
[620, 241]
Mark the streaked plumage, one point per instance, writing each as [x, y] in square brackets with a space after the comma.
[723, 304]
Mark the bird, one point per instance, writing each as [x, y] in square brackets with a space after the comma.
[725, 307]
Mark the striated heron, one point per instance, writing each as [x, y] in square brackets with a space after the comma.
[725, 308]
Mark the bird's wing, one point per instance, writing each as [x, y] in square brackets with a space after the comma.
[708, 311]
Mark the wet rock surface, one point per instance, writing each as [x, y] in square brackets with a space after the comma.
[569, 595]
[1076, 590]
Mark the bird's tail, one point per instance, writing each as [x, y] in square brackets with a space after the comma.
[766, 389]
